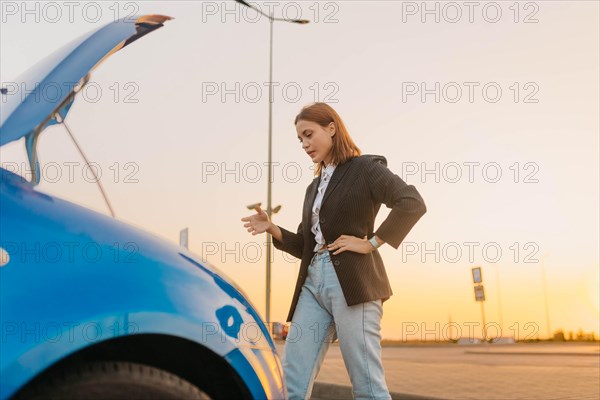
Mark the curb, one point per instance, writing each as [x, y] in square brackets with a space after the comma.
[532, 353]
[329, 391]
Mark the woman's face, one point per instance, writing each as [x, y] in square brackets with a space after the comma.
[316, 140]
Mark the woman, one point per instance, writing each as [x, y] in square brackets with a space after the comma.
[342, 281]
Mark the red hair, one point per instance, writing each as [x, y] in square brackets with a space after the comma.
[323, 114]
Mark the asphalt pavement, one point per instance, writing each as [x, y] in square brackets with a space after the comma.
[451, 371]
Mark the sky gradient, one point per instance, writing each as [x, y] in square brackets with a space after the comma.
[179, 131]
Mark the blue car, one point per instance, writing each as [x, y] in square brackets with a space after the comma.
[92, 308]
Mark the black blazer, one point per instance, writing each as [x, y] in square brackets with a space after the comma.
[350, 204]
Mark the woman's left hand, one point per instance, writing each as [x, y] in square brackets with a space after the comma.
[351, 243]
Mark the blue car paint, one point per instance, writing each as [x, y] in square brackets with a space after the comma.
[75, 278]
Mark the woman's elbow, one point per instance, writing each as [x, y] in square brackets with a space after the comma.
[419, 206]
[423, 207]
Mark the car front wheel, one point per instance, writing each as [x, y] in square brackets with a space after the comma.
[112, 380]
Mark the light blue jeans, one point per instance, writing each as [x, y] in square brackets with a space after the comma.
[320, 316]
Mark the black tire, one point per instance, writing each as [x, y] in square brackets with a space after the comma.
[112, 380]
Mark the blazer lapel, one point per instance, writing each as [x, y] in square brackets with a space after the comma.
[337, 176]
[338, 173]
[311, 195]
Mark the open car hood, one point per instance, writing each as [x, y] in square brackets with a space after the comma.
[43, 95]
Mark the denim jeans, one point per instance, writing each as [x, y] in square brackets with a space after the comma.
[320, 316]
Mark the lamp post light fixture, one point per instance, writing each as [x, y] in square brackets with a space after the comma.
[270, 211]
[253, 206]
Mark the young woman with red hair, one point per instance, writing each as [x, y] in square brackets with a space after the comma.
[342, 282]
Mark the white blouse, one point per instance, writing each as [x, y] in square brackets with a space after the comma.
[326, 174]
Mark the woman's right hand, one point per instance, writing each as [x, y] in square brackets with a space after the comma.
[257, 223]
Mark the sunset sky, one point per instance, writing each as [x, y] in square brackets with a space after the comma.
[178, 124]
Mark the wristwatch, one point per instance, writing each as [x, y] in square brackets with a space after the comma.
[374, 242]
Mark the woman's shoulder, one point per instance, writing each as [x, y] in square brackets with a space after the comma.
[365, 159]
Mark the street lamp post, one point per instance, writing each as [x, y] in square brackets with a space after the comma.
[545, 289]
[499, 299]
[268, 305]
[270, 161]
